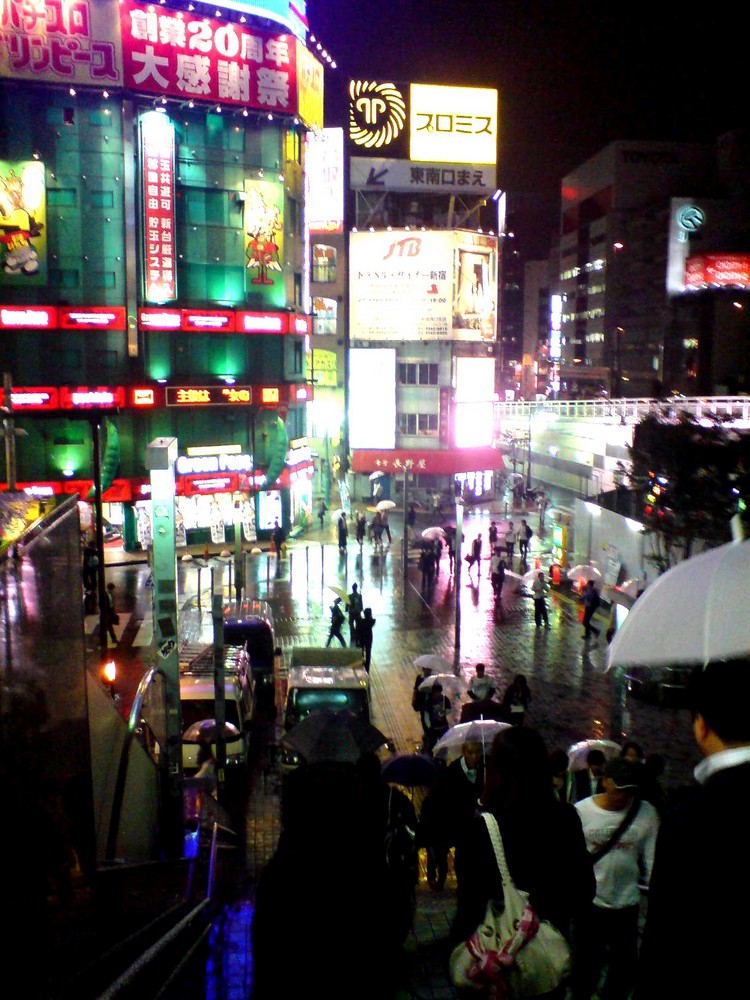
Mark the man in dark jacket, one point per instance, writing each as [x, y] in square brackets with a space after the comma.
[702, 865]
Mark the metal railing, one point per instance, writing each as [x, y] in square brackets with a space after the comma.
[732, 408]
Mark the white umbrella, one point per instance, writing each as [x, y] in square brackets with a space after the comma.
[586, 571]
[385, 505]
[376, 475]
[451, 683]
[433, 662]
[337, 514]
[578, 752]
[630, 588]
[482, 731]
[694, 613]
[433, 532]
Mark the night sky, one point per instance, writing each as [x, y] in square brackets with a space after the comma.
[572, 75]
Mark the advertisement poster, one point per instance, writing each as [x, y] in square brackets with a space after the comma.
[249, 531]
[157, 158]
[475, 301]
[23, 213]
[172, 53]
[264, 246]
[218, 534]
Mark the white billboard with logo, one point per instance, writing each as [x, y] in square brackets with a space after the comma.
[415, 285]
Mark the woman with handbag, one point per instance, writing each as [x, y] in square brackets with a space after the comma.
[548, 871]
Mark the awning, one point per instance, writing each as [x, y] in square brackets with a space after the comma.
[447, 461]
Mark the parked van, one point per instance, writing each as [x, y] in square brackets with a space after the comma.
[197, 701]
[250, 625]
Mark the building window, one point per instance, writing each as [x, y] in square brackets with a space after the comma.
[417, 373]
[324, 316]
[323, 263]
[419, 424]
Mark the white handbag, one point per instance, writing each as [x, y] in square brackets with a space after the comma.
[512, 947]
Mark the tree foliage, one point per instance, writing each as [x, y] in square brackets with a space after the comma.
[693, 476]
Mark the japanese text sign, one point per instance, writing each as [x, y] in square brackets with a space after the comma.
[176, 54]
[157, 167]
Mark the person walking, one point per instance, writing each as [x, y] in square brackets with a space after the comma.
[590, 779]
[322, 513]
[516, 700]
[411, 521]
[386, 527]
[525, 534]
[111, 617]
[702, 864]
[427, 568]
[360, 529]
[492, 535]
[448, 809]
[542, 838]
[277, 537]
[497, 573]
[620, 831]
[539, 591]
[450, 544]
[435, 715]
[354, 611]
[337, 620]
[89, 575]
[481, 687]
[510, 542]
[343, 531]
[591, 602]
[364, 636]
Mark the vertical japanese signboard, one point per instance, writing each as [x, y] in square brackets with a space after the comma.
[157, 159]
[264, 246]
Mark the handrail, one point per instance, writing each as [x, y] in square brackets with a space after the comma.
[736, 408]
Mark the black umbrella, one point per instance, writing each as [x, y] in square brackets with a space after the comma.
[410, 770]
[327, 735]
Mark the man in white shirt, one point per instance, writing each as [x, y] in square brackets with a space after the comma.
[510, 542]
[481, 687]
[620, 832]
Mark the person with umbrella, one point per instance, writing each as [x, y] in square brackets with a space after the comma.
[591, 602]
[360, 529]
[435, 715]
[337, 620]
[448, 808]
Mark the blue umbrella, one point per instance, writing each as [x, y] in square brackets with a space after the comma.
[410, 770]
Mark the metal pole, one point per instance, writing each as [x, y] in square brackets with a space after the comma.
[457, 578]
[220, 714]
[239, 567]
[10, 433]
[95, 422]
[528, 457]
[405, 542]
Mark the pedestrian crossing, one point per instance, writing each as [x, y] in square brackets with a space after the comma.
[144, 628]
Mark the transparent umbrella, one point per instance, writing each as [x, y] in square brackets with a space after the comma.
[452, 684]
[433, 662]
[434, 532]
[585, 571]
[481, 731]
[578, 752]
[385, 505]
[376, 475]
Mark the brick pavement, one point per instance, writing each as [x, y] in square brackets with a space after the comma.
[573, 697]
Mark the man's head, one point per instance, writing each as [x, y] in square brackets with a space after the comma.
[718, 696]
[558, 763]
[354, 588]
[540, 576]
[436, 691]
[472, 754]
[620, 781]
[480, 669]
[595, 762]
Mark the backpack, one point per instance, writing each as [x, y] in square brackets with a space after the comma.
[529, 532]
[401, 854]
[337, 615]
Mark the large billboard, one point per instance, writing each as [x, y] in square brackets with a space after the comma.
[372, 390]
[52, 42]
[375, 173]
[264, 244]
[423, 122]
[172, 54]
[324, 180]
[23, 214]
[436, 285]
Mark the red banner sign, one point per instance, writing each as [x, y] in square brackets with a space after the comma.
[718, 270]
[157, 169]
[93, 318]
[175, 54]
[100, 397]
[209, 395]
[447, 461]
[33, 398]
[28, 317]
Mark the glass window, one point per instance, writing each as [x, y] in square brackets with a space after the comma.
[419, 424]
[324, 316]
[323, 263]
[417, 373]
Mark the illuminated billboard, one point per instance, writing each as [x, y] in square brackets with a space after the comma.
[23, 211]
[52, 42]
[309, 87]
[438, 285]
[446, 121]
[474, 397]
[423, 122]
[264, 244]
[324, 180]
[157, 180]
[291, 15]
[717, 270]
[170, 54]
[372, 390]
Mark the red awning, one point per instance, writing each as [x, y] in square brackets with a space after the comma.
[444, 462]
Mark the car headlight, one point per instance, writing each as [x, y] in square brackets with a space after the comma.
[288, 758]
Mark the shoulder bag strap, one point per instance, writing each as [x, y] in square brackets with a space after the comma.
[497, 845]
[632, 812]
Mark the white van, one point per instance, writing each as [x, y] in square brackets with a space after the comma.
[197, 702]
